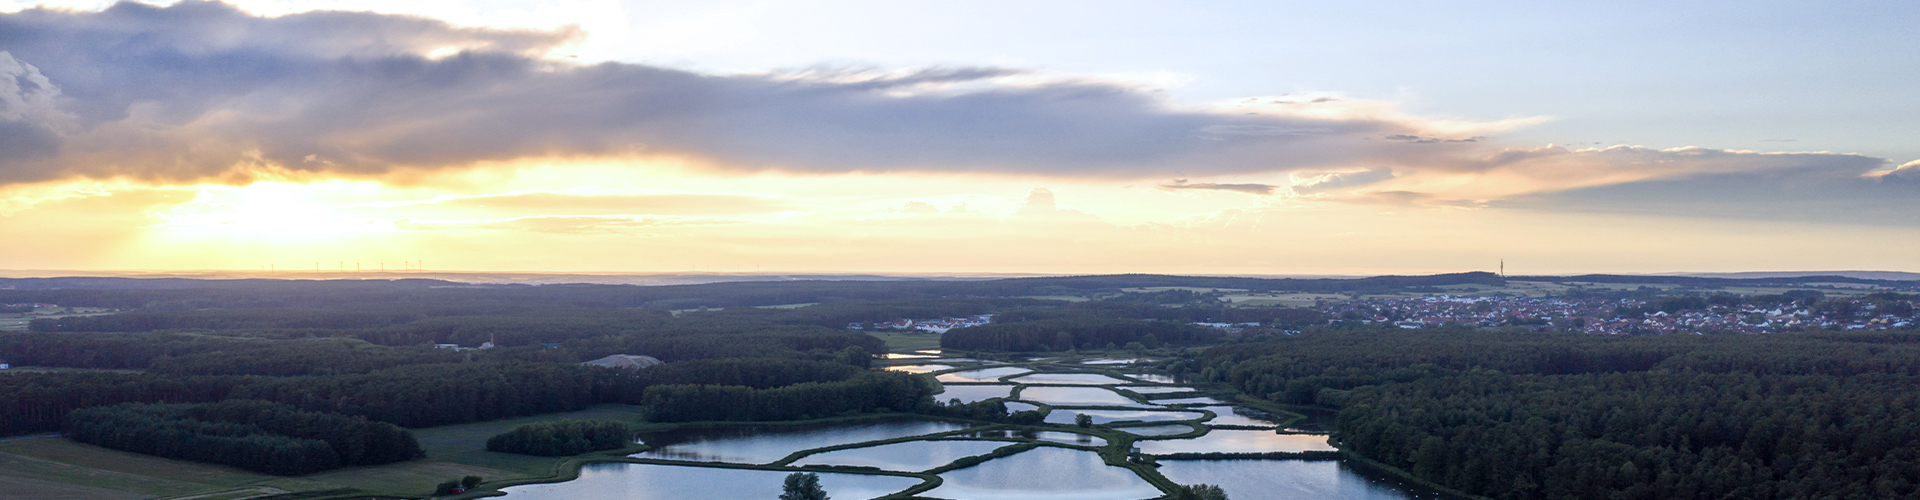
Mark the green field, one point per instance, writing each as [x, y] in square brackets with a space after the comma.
[902, 341]
[56, 468]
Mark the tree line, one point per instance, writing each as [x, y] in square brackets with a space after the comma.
[562, 438]
[254, 435]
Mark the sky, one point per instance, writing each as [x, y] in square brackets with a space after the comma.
[1065, 137]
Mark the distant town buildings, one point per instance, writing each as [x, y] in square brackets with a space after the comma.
[1612, 316]
[940, 325]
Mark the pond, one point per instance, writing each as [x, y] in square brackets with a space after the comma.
[1108, 361]
[895, 355]
[1068, 379]
[1285, 480]
[911, 456]
[1044, 472]
[918, 368]
[972, 393]
[766, 444]
[1188, 401]
[981, 375]
[1051, 436]
[1237, 441]
[1157, 430]
[1059, 416]
[1156, 389]
[1149, 377]
[1235, 415]
[619, 481]
[1018, 407]
[1082, 396]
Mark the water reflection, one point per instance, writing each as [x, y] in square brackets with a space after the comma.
[1059, 416]
[972, 393]
[1157, 430]
[1285, 480]
[1157, 389]
[1045, 472]
[1238, 441]
[909, 456]
[1068, 379]
[619, 481]
[1188, 401]
[982, 375]
[765, 444]
[1088, 396]
[1072, 438]
[1149, 377]
[918, 368]
[1236, 415]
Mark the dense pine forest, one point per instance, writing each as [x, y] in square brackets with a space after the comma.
[1525, 415]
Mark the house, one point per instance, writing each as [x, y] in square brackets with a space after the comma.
[856, 326]
[4, 365]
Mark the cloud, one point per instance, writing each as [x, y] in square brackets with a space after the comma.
[201, 90]
[585, 204]
[1040, 204]
[1342, 180]
[1905, 173]
[565, 224]
[1243, 188]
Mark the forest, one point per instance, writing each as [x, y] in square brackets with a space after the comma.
[253, 435]
[1513, 415]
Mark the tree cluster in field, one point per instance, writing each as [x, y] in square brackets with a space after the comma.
[562, 438]
[1559, 416]
[253, 435]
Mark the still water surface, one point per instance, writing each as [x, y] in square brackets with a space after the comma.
[1235, 441]
[1069, 379]
[911, 456]
[673, 482]
[765, 444]
[985, 375]
[1234, 415]
[1044, 472]
[1072, 396]
[1059, 416]
[1284, 480]
[972, 393]
[918, 368]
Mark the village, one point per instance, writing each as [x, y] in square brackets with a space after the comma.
[1615, 316]
[940, 325]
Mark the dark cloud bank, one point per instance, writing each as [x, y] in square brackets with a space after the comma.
[201, 90]
[191, 90]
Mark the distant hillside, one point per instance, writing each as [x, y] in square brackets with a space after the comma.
[1871, 275]
[1707, 281]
